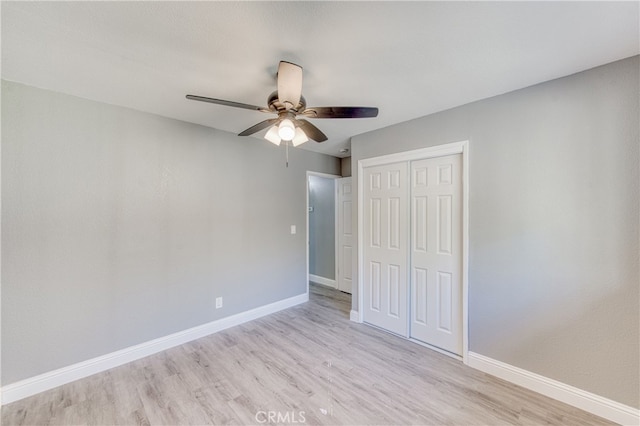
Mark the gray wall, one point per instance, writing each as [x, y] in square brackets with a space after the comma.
[322, 227]
[553, 226]
[119, 227]
[345, 166]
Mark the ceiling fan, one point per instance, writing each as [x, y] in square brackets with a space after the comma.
[288, 104]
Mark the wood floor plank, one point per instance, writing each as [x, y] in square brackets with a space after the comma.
[307, 362]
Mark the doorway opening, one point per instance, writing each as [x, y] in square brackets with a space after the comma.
[322, 223]
[330, 240]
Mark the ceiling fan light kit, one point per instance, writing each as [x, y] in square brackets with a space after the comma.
[272, 136]
[288, 103]
[286, 130]
[300, 137]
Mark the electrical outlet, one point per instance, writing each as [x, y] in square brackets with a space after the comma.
[218, 302]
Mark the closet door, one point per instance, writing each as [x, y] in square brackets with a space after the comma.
[436, 252]
[386, 247]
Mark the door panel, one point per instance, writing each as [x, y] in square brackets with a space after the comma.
[436, 252]
[375, 286]
[419, 227]
[445, 313]
[386, 247]
[393, 278]
[345, 235]
[394, 223]
[444, 224]
[374, 220]
[419, 296]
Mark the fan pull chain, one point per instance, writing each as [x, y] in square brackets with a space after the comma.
[286, 148]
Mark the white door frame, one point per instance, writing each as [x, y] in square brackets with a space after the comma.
[419, 154]
[335, 213]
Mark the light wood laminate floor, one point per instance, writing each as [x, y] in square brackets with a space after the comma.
[309, 364]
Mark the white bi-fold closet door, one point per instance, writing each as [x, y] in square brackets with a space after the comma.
[413, 250]
[386, 246]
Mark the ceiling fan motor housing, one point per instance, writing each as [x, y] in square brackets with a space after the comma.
[276, 106]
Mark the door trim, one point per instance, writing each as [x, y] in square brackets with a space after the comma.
[462, 148]
[335, 221]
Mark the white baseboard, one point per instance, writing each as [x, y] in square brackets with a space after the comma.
[354, 316]
[322, 280]
[33, 385]
[587, 401]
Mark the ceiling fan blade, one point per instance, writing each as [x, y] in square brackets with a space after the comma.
[289, 84]
[227, 103]
[257, 127]
[311, 131]
[340, 112]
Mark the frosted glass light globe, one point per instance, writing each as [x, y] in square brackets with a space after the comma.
[286, 130]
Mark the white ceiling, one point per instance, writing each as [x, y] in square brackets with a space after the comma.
[409, 59]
